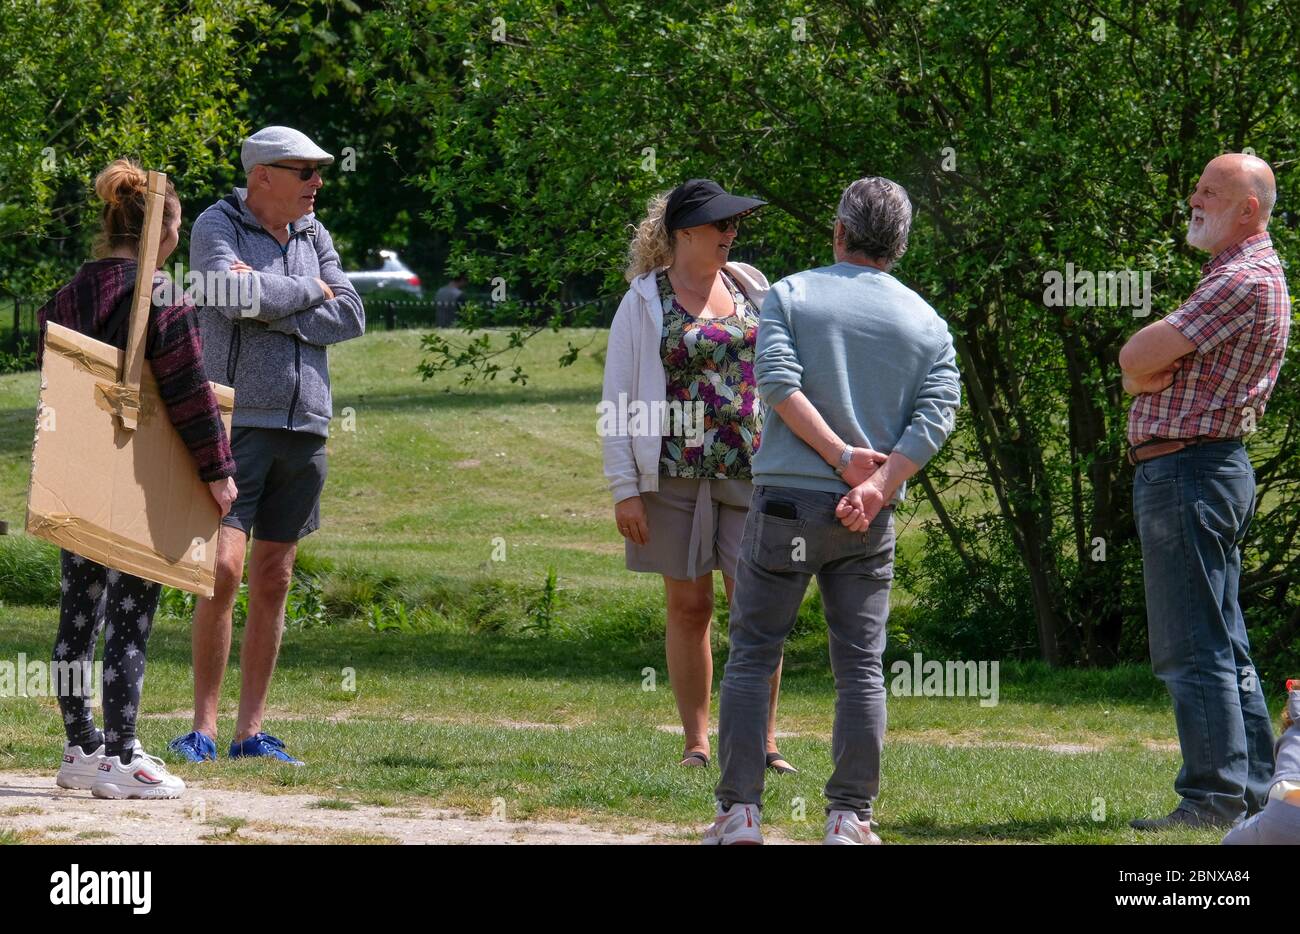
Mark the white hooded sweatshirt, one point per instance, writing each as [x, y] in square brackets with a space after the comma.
[634, 370]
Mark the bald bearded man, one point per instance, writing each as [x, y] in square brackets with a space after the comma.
[1201, 378]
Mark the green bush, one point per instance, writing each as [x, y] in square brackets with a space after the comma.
[305, 607]
[984, 611]
[20, 360]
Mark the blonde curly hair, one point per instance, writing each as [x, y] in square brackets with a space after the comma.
[652, 241]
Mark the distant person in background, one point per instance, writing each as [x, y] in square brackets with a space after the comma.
[1279, 821]
[1201, 378]
[274, 354]
[685, 331]
[97, 599]
[447, 302]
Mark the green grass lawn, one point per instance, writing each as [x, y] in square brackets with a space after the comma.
[545, 709]
[563, 728]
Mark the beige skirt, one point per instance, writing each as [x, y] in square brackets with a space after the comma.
[695, 528]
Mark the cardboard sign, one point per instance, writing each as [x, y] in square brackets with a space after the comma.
[112, 480]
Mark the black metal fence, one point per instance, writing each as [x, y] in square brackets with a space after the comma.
[399, 313]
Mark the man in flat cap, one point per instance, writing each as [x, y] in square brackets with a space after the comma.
[272, 350]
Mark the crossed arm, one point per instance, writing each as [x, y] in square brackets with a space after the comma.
[320, 310]
[1151, 356]
[340, 316]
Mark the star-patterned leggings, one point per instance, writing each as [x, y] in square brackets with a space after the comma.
[95, 599]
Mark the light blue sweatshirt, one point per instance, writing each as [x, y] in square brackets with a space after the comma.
[870, 354]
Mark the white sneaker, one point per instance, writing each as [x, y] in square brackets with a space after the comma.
[843, 828]
[78, 770]
[736, 825]
[145, 776]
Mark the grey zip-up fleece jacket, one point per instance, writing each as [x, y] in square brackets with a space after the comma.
[275, 359]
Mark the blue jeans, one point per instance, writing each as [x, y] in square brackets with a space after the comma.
[1192, 509]
[778, 556]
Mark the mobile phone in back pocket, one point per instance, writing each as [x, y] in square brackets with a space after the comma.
[780, 509]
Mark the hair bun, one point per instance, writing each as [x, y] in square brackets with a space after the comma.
[123, 187]
[123, 179]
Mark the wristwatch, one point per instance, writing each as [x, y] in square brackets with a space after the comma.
[845, 459]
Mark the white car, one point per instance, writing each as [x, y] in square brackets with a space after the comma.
[392, 276]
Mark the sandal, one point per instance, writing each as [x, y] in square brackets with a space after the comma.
[695, 760]
[773, 758]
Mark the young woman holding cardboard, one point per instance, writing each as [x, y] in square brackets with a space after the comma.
[97, 599]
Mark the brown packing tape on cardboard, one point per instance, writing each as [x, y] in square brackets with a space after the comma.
[111, 478]
[90, 541]
[130, 500]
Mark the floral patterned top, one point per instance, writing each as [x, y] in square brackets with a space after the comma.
[710, 361]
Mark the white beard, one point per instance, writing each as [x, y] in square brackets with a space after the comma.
[1208, 233]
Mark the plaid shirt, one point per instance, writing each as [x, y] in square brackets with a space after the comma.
[1239, 318]
[172, 347]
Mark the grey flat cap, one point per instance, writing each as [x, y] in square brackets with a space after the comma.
[273, 143]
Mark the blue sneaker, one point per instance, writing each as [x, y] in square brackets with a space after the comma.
[194, 747]
[262, 744]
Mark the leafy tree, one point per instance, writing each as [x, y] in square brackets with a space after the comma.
[515, 141]
[84, 83]
[1030, 136]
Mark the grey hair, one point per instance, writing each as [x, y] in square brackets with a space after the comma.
[877, 217]
[1267, 196]
[1264, 190]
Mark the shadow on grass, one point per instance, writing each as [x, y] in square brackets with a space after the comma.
[620, 661]
[615, 651]
[411, 655]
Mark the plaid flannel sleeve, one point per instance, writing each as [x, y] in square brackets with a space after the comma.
[1222, 306]
[176, 357]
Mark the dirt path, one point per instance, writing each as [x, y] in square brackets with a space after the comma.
[33, 807]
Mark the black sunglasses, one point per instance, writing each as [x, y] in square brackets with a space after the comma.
[729, 223]
[303, 173]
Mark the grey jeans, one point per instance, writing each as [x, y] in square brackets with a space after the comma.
[778, 556]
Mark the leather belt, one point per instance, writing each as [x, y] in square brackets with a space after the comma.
[1159, 447]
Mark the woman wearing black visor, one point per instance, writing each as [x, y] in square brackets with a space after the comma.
[680, 365]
